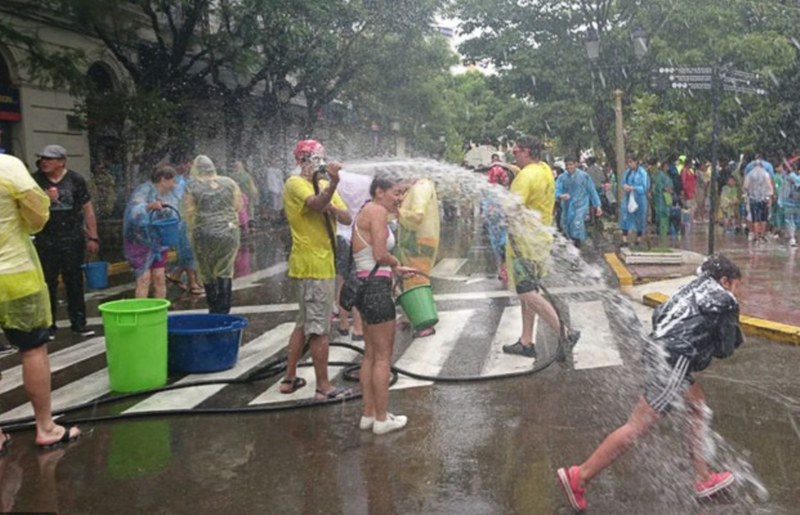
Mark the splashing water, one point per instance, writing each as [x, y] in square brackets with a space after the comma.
[662, 456]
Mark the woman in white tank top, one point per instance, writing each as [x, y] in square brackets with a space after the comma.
[372, 241]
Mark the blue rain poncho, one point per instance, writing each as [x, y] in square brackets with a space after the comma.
[637, 220]
[142, 243]
[211, 207]
[24, 209]
[582, 193]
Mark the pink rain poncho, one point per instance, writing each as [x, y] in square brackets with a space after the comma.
[24, 209]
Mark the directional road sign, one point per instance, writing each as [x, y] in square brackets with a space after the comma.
[743, 89]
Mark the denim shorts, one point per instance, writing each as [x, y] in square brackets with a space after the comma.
[377, 305]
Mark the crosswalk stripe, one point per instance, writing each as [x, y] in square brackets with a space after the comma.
[597, 347]
[84, 389]
[427, 356]
[273, 394]
[498, 362]
[12, 378]
[447, 267]
[250, 355]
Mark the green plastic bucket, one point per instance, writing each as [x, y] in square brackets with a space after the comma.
[136, 343]
[418, 304]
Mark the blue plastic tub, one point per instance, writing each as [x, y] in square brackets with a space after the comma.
[203, 343]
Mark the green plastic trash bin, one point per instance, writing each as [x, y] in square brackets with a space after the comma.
[136, 343]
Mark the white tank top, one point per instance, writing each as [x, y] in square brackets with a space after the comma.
[364, 258]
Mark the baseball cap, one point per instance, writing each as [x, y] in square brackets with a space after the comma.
[53, 152]
[308, 147]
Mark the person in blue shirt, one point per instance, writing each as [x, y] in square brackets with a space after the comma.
[789, 200]
[766, 165]
[576, 192]
[633, 214]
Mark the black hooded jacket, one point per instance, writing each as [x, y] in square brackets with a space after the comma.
[700, 321]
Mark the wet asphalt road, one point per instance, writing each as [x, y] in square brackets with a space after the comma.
[489, 446]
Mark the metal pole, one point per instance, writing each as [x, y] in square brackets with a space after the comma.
[715, 100]
[619, 144]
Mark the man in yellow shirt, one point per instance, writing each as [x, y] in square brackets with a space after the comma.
[312, 206]
[528, 245]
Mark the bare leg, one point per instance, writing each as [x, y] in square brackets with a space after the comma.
[641, 420]
[319, 355]
[698, 423]
[536, 303]
[381, 338]
[296, 341]
[36, 379]
[159, 279]
[192, 275]
[358, 327]
[143, 285]
[365, 377]
[528, 319]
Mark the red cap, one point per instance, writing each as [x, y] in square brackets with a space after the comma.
[307, 147]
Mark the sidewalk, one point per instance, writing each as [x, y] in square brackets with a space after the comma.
[769, 296]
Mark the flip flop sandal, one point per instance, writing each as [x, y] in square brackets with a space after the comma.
[65, 438]
[295, 382]
[197, 290]
[5, 445]
[338, 393]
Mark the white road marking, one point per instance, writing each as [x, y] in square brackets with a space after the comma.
[448, 267]
[87, 388]
[508, 331]
[12, 378]
[597, 347]
[427, 356]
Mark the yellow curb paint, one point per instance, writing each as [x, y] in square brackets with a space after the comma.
[625, 278]
[750, 325]
[122, 266]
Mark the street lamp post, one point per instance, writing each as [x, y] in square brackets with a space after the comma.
[592, 44]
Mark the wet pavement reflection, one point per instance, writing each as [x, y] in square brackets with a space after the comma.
[483, 447]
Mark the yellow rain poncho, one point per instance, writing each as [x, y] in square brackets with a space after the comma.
[24, 209]
[418, 237]
[530, 234]
[211, 207]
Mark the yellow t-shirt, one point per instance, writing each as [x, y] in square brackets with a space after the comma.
[311, 256]
[535, 187]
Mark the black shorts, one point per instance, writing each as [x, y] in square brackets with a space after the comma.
[342, 256]
[527, 275]
[759, 210]
[27, 340]
[668, 377]
[377, 305]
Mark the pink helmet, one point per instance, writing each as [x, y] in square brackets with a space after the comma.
[307, 148]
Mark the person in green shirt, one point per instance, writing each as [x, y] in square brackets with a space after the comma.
[662, 200]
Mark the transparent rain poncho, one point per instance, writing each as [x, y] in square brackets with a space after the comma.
[24, 209]
[210, 208]
[418, 235]
[141, 240]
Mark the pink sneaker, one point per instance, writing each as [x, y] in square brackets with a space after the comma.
[716, 481]
[571, 486]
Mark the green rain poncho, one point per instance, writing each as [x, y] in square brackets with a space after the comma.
[210, 208]
[24, 209]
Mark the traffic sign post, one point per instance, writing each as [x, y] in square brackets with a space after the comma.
[716, 80]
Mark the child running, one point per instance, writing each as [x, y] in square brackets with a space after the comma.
[700, 321]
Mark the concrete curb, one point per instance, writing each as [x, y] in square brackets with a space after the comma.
[750, 325]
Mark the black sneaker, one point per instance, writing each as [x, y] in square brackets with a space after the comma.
[529, 351]
[83, 331]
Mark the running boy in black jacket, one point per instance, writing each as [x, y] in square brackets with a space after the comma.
[700, 321]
